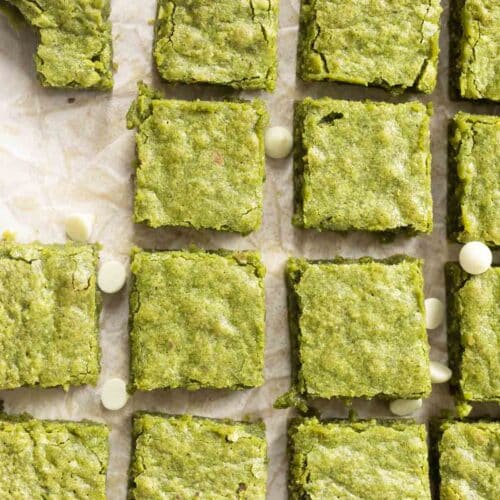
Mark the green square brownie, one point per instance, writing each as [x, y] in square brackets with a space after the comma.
[52, 459]
[474, 200]
[469, 460]
[362, 166]
[200, 164]
[473, 334]
[475, 53]
[226, 42]
[366, 459]
[357, 329]
[197, 320]
[49, 314]
[381, 43]
[193, 457]
[75, 46]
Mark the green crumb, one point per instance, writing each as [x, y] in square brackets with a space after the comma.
[378, 43]
[357, 329]
[197, 320]
[52, 459]
[75, 49]
[367, 460]
[227, 42]
[474, 190]
[473, 334]
[200, 164]
[193, 457]
[49, 313]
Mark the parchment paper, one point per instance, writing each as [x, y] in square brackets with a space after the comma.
[58, 157]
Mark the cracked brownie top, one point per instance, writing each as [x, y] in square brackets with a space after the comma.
[392, 43]
[49, 310]
[225, 42]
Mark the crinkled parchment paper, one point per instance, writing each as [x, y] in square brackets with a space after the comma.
[58, 156]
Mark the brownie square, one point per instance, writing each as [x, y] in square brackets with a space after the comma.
[52, 459]
[197, 320]
[224, 42]
[75, 43]
[366, 459]
[49, 313]
[469, 465]
[357, 329]
[475, 57]
[382, 43]
[474, 202]
[194, 457]
[473, 334]
[200, 164]
[362, 166]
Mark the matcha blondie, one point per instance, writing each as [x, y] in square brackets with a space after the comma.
[200, 164]
[469, 460]
[362, 166]
[49, 313]
[197, 319]
[194, 457]
[224, 42]
[52, 459]
[75, 48]
[367, 459]
[382, 43]
[473, 334]
[475, 48]
[474, 173]
[357, 329]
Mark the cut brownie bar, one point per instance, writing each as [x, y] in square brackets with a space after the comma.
[197, 320]
[52, 459]
[75, 48]
[474, 200]
[469, 463]
[362, 166]
[366, 459]
[200, 164]
[473, 334]
[191, 457]
[357, 328]
[475, 53]
[49, 313]
[389, 44]
[224, 42]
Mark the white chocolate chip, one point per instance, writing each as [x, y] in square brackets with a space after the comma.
[434, 313]
[114, 394]
[475, 257]
[440, 373]
[79, 227]
[404, 407]
[111, 276]
[278, 142]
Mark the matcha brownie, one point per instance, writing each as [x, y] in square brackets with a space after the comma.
[194, 457]
[362, 166]
[75, 48]
[475, 48]
[197, 319]
[474, 173]
[224, 42]
[366, 459]
[357, 329]
[52, 459]
[469, 460]
[393, 44]
[473, 334]
[49, 313]
[200, 164]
